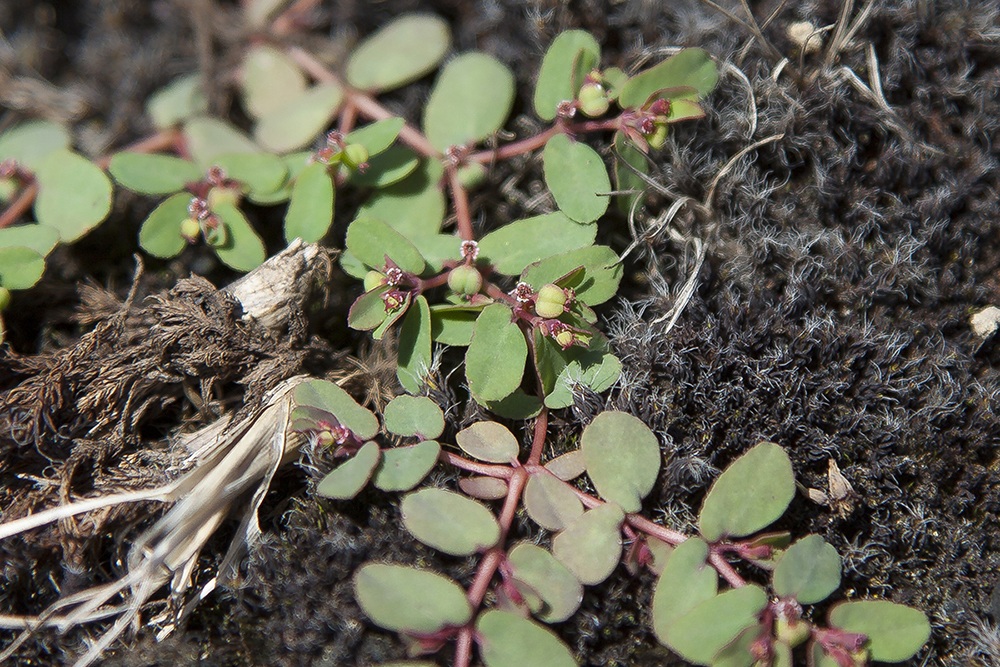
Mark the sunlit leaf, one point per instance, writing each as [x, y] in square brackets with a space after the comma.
[550, 503]
[628, 160]
[570, 56]
[414, 348]
[414, 206]
[410, 600]
[331, 398]
[209, 138]
[402, 468]
[509, 640]
[160, 234]
[449, 522]
[387, 168]
[687, 580]
[706, 629]
[20, 267]
[591, 546]
[414, 416]
[494, 363]
[377, 136]
[471, 100]
[299, 121]
[517, 244]
[484, 488]
[453, 325]
[74, 194]
[39, 238]
[488, 441]
[153, 173]
[560, 591]
[347, 480]
[372, 240]
[596, 284]
[260, 173]
[295, 164]
[400, 52]
[270, 78]
[809, 571]
[243, 249]
[176, 102]
[692, 68]
[623, 458]
[437, 249]
[749, 495]
[31, 142]
[368, 310]
[577, 178]
[895, 632]
[568, 466]
[310, 210]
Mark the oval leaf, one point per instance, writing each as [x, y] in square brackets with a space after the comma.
[471, 100]
[509, 640]
[598, 281]
[622, 457]
[389, 167]
[299, 121]
[377, 136]
[270, 79]
[518, 244]
[628, 161]
[39, 238]
[179, 100]
[402, 468]
[592, 546]
[414, 206]
[413, 351]
[550, 503]
[494, 363]
[895, 632]
[449, 522]
[570, 56]
[31, 142]
[20, 267]
[484, 488]
[560, 591]
[310, 209]
[400, 52]
[259, 173]
[577, 178]
[706, 630]
[368, 310]
[371, 241]
[347, 480]
[405, 599]
[209, 138]
[331, 398]
[809, 571]
[749, 495]
[567, 466]
[687, 580]
[153, 174]
[74, 194]
[414, 416]
[453, 325]
[243, 249]
[160, 234]
[488, 441]
[692, 68]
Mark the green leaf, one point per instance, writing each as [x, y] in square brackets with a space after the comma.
[577, 178]
[331, 398]
[209, 138]
[809, 571]
[414, 206]
[406, 599]
[484, 488]
[626, 156]
[402, 51]
[438, 249]
[310, 210]
[20, 267]
[509, 640]
[295, 164]
[299, 121]
[692, 68]
[414, 347]
[570, 56]
[895, 632]
[160, 234]
[596, 284]
[414, 416]
[74, 194]
[737, 653]
[614, 79]
[39, 238]
[560, 591]
[153, 174]
[270, 79]
[179, 100]
[749, 495]
[392, 317]
[516, 245]
[687, 580]
[592, 545]
[402, 468]
[243, 249]
[494, 363]
[347, 480]
[449, 522]
[377, 136]
[471, 100]
[622, 457]
[372, 240]
[517, 405]
[260, 173]
[817, 656]
[488, 441]
[368, 310]
[567, 466]
[700, 634]
[551, 503]
[31, 142]
[387, 168]
[453, 325]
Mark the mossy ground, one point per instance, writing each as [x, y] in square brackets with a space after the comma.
[843, 260]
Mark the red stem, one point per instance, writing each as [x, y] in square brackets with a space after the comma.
[463, 214]
[348, 117]
[285, 23]
[20, 205]
[485, 469]
[541, 427]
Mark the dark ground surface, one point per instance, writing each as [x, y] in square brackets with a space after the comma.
[843, 262]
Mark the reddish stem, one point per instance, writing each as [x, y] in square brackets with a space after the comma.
[20, 205]
[463, 214]
[348, 117]
[485, 469]
[286, 22]
[541, 427]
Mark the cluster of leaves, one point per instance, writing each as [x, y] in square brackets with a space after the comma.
[746, 624]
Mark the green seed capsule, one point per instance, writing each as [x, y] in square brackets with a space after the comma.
[658, 138]
[593, 100]
[465, 280]
[5, 298]
[223, 195]
[550, 301]
[354, 155]
[190, 229]
[373, 279]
